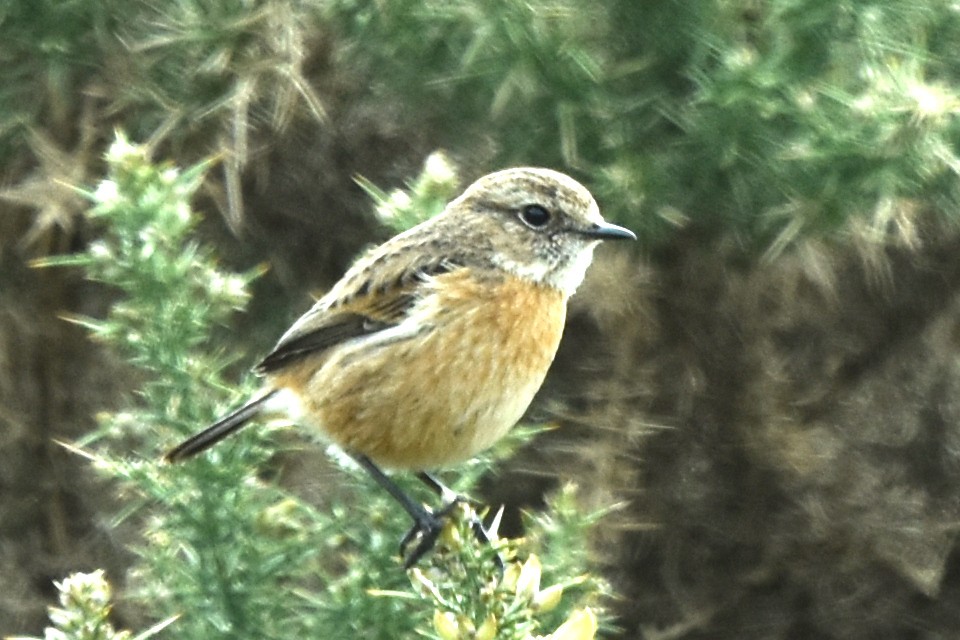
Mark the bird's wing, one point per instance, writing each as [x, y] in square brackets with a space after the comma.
[375, 295]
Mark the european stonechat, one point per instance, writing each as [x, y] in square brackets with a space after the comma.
[433, 344]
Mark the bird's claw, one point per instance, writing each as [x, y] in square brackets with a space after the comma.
[428, 528]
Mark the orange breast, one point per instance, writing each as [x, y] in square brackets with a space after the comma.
[441, 396]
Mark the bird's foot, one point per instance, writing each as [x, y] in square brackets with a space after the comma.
[427, 528]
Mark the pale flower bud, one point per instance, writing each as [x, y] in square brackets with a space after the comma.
[581, 625]
[548, 599]
[439, 169]
[107, 192]
[121, 150]
[510, 576]
[528, 584]
[446, 625]
[488, 630]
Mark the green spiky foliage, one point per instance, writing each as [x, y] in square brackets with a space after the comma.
[84, 612]
[772, 120]
[196, 76]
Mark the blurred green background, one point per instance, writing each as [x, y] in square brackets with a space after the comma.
[769, 382]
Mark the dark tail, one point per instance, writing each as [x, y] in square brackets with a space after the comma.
[218, 431]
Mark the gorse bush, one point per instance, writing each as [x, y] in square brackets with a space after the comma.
[230, 555]
[755, 124]
[773, 120]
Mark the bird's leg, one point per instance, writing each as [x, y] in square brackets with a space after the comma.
[426, 524]
[434, 484]
[447, 495]
[450, 499]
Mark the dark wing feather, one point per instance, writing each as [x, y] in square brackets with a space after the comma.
[371, 307]
[343, 327]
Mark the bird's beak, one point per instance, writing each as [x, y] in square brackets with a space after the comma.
[608, 231]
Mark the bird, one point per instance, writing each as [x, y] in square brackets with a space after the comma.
[432, 345]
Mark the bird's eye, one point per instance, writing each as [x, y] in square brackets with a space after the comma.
[534, 215]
